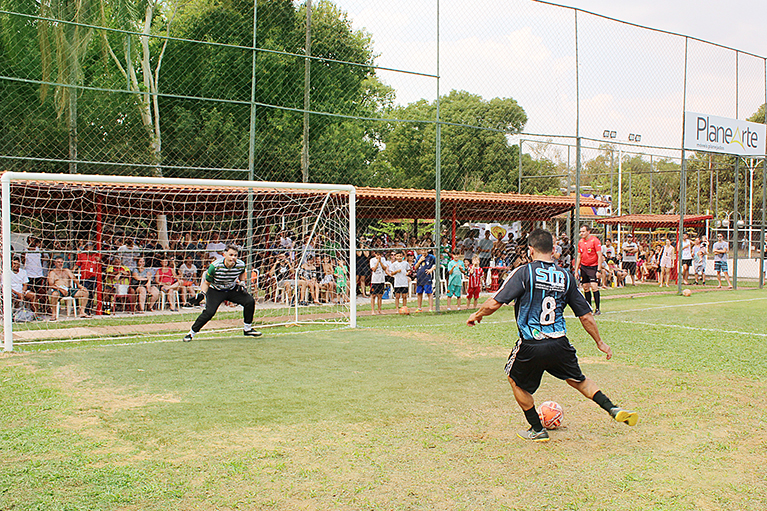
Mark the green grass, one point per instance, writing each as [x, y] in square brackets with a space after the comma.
[404, 413]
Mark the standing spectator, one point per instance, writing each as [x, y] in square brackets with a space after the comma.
[686, 257]
[424, 266]
[589, 263]
[399, 270]
[499, 247]
[90, 269]
[341, 274]
[215, 247]
[484, 251]
[476, 276]
[152, 250]
[510, 252]
[129, 252]
[363, 270]
[193, 249]
[469, 244]
[20, 286]
[143, 278]
[378, 278]
[455, 272]
[667, 260]
[720, 250]
[699, 262]
[33, 264]
[630, 256]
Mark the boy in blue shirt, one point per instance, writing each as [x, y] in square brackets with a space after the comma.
[424, 267]
[455, 271]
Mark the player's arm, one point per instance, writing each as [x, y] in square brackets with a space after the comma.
[590, 325]
[486, 309]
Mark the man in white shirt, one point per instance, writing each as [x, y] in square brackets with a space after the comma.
[215, 248]
[469, 244]
[608, 250]
[630, 251]
[19, 285]
[128, 253]
[485, 250]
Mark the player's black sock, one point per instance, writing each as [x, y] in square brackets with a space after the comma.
[596, 299]
[587, 294]
[603, 401]
[533, 419]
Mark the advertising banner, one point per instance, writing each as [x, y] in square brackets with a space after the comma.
[722, 135]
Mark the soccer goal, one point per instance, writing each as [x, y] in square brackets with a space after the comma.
[89, 257]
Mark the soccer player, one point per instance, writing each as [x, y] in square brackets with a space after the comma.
[589, 263]
[224, 282]
[540, 290]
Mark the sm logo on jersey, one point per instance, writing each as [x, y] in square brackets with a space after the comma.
[551, 277]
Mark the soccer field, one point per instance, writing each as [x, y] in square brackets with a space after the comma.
[403, 413]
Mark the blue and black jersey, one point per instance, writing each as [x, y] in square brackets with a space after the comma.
[540, 291]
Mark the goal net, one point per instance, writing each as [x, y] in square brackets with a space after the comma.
[119, 258]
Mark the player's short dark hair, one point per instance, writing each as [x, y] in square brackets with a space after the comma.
[586, 226]
[541, 240]
[232, 247]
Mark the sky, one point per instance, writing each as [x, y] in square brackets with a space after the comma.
[631, 80]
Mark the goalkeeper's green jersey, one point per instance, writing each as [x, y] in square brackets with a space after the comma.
[223, 278]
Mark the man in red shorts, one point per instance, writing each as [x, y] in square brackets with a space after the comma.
[589, 262]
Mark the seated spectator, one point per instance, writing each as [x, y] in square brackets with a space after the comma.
[63, 283]
[307, 279]
[188, 275]
[117, 283]
[20, 291]
[166, 279]
[143, 281]
[618, 273]
[280, 276]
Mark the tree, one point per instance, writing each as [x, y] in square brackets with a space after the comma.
[471, 158]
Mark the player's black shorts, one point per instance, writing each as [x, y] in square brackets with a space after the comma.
[630, 266]
[377, 289]
[589, 274]
[529, 359]
[400, 290]
[687, 262]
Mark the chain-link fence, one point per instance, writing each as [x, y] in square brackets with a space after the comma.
[402, 95]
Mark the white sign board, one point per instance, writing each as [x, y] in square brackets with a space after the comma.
[722, 135]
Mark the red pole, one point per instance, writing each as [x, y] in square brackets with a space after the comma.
[99, 226]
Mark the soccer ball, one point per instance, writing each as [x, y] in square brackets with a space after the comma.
[551, 414]
[404, 310]
[686, 292]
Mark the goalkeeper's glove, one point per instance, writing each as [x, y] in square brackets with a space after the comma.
[198, 298]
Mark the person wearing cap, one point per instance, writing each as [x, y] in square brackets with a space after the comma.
[630, 254]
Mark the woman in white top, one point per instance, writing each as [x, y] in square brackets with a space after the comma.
[667, 258]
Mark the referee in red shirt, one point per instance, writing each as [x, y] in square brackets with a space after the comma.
[589, 264]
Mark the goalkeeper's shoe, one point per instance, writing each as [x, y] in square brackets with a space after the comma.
[188, 338]
[251, 333]
[195, 300]
[627, 416]
[535, 436]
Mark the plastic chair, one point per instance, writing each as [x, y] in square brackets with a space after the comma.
[71, 305]
[165, 297]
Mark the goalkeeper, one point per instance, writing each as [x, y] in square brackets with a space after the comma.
[223, 282]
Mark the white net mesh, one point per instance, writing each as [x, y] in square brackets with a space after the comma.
[102, 260]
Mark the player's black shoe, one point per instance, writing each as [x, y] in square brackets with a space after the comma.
[251, 333]
[535, 436]
[188, 338]
[627, 416]
[597, 312]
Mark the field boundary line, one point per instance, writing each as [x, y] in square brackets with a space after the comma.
[676, 305]
[686, 327]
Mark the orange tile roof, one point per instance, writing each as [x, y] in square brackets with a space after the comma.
[647, 221]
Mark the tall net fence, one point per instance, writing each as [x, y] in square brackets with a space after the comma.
[402, 95]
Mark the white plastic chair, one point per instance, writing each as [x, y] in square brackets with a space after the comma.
[164, 297]
[71, 305]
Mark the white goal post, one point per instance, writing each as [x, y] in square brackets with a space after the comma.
[111, 220]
